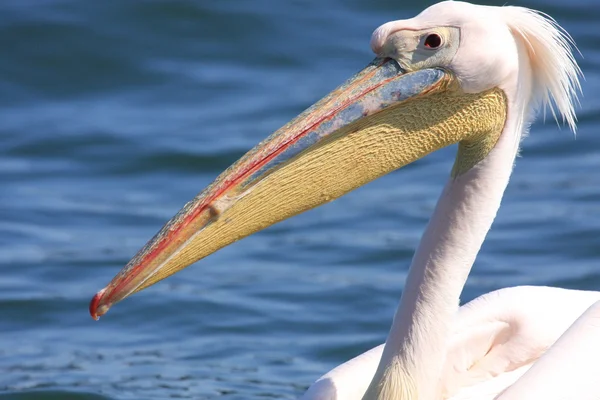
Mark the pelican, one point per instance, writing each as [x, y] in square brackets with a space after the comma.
[457, 73]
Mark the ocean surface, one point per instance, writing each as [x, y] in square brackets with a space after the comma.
[113, 114]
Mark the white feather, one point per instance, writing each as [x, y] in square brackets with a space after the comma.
[555, 71]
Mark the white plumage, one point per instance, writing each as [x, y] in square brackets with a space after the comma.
[495, 340]
[502, 345]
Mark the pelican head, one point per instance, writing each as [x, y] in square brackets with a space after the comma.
[453, 74]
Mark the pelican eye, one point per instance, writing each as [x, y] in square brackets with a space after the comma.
[433, 41]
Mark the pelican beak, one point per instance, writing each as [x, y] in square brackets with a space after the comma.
[380, 120]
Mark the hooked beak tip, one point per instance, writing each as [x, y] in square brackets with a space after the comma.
[96, 309]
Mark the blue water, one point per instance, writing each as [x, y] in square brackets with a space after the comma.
[113, 114]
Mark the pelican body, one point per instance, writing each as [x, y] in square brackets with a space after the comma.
[457, 73]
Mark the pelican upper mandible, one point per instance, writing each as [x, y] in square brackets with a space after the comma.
[456, 73]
